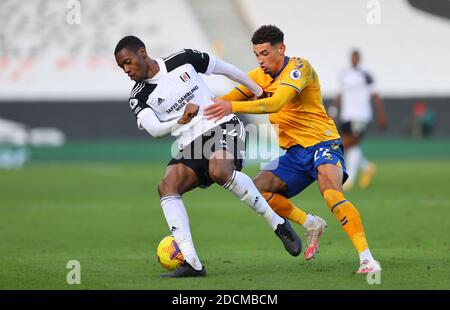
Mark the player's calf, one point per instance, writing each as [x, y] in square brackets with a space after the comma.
[242, 187]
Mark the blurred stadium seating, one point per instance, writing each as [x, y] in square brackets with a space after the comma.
[43, 56]
[56, 73]
[406, 51]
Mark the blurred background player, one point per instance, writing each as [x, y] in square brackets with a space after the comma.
[209, 152]
[313, 147]
[357, 89]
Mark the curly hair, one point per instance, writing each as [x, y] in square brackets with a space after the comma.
[268, 34]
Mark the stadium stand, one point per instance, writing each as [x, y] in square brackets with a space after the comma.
[46, 54]
[406, 48]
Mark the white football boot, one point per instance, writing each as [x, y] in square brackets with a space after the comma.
[369, 266]
[313, 234]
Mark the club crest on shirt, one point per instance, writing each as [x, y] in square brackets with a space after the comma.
[335, 146]
[295, 74]
[185, 77]
[133, 103]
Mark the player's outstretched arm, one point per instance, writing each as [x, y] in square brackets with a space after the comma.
[236, 95]
[221, 108]
[233, 73]
[282, 96]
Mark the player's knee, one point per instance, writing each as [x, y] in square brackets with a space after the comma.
[220, 175]
[165, 188]
[329, 177]
[268, 184]
[260, 184]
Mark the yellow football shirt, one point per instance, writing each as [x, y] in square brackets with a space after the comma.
[293, 99]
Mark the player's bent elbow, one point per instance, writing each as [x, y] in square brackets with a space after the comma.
[155, 134]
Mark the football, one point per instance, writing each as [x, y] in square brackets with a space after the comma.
[169, 254]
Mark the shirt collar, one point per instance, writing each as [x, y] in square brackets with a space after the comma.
[286, 61]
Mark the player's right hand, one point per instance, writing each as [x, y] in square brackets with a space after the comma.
[190, 111]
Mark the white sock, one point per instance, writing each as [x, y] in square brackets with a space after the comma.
[244, 188]
[352, 161]
[365, 255]
[178, 221]
[310, 220]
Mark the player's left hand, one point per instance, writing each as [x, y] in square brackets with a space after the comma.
[218, 109]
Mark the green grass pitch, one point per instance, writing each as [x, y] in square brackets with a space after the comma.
[107, 216]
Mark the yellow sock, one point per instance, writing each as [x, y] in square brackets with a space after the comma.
[348, 216]
[283, 207]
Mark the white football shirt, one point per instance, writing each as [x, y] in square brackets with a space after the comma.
[357, 88]
[177, 83]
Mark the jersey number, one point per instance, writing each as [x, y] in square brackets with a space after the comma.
[324, 152]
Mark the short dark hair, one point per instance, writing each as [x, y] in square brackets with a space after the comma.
[268, 34]
[356, 51]
[130, 42]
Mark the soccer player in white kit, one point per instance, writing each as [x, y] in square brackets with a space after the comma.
[357, 89]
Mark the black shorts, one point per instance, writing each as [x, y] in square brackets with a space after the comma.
[358, 129]
[228, 136]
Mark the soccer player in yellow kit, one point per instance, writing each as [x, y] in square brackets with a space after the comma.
[313, 147]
